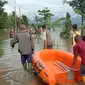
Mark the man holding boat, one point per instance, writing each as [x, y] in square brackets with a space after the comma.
[25, 46]
[79, 50]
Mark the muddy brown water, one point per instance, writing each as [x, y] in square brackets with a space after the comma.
[11, 71]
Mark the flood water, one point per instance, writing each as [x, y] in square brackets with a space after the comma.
[11, 71]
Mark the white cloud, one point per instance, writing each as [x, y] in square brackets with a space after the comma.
[30, 7]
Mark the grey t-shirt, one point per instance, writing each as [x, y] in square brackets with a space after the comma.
[25, 42]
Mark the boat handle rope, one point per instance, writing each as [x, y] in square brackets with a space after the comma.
[66, 67]
[62, 66]
[59, 66]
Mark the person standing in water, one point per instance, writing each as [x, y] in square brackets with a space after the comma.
[38, 33]
[48, 43]
[25, 46]
[79, 50]
[11, 33]
[75, 32]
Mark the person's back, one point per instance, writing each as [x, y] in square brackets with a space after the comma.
[25, 46]
[25, 43]
[48, 43]
[49, 38]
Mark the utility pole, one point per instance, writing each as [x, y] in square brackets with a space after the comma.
[20, 12]
[15, 17]
[20, 17]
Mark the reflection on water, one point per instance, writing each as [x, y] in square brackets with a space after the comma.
[11, 71]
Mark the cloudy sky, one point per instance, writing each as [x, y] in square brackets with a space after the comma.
[30, 7]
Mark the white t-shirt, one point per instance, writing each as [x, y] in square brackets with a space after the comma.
[46, 36]
[43, 35]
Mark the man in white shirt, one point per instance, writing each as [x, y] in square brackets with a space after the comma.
[48, 43]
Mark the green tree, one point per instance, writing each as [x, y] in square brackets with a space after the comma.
[78, 5]
[3, 20]
[25, 20]
[45, 13]
[3, 15]
[11, 20]
[66, 26]
[36, 19]
[2, 3]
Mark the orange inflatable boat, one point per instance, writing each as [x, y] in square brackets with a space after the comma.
[53, 66]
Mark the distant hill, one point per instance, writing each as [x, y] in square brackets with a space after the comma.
[75, 20]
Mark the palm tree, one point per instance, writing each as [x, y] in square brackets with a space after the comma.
[83, 18]
[67, 25]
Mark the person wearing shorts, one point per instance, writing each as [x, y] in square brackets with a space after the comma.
[25, 46]
[27, 57]
[79, 49]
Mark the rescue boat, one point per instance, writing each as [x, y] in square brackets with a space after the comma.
[53, 66]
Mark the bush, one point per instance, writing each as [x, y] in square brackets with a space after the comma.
[1, 50]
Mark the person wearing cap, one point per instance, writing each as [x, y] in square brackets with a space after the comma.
[25, 46]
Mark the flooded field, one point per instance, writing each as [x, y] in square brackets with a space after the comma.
[11, 71]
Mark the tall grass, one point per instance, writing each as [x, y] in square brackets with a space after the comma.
[1, 50]
[3, 36]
